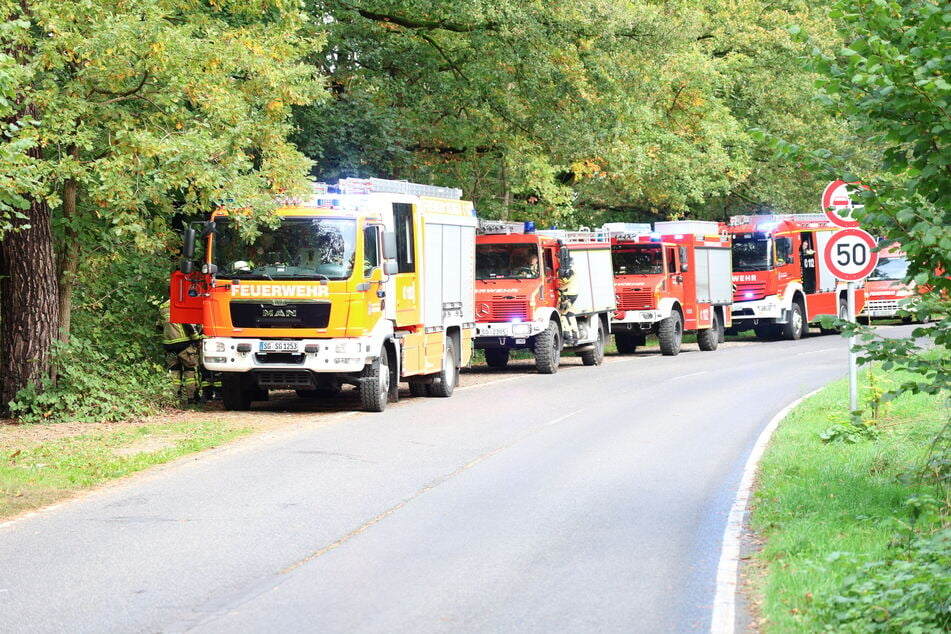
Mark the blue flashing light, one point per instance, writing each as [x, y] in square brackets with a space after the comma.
[655, 237]
[748, 294]
[529, 227]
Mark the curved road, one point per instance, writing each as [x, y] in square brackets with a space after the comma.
[591, 500]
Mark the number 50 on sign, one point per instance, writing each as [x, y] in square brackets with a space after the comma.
[850, 254]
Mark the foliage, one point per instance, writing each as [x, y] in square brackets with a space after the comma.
[909, 592]
[854, 430]
[891, 82]
[568, 112]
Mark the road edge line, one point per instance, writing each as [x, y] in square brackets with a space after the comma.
[723, 620]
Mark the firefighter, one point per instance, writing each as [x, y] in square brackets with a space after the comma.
[568, 292]
[182, 356]
[808, 262]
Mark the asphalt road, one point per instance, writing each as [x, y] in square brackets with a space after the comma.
[590, 500]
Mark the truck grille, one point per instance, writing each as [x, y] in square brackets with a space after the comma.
[505, 310]
[749, 291]
[280, 358]
[258, 315]
[881, 304]
[635, 299]
[289, 380]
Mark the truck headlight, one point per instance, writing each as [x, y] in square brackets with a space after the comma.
[214, 346]
[521, 329]
[348, 347]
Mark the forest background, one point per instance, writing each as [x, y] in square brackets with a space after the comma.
[125, 119]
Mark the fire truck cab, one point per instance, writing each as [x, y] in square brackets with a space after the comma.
[673, 278]
[781, 283]
[886, 291]
[519, 281]
[367, 283]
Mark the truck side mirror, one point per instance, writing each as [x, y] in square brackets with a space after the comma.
[390, 267]
[389, 245]
[188, 246]
[208, 229]
[564, 258]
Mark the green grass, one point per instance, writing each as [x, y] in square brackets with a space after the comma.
[33, 474]
[824, 509]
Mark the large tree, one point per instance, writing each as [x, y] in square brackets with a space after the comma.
[140, 109]
[634, 106]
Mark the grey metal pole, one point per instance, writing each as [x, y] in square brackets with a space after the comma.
[853, 371]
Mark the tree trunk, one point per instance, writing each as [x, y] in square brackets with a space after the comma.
[68, 262]
[28, 304]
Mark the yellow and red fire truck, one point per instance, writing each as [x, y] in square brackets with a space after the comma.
[522, 280]
[674, 278]
[368, 283]
[781, 282]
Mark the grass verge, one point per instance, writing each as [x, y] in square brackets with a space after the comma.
[37, 471]
[853, 515]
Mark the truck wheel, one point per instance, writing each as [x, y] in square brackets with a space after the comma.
[496, 357]
[795, 325]
[708, 338]
[375, 383]
[670, 332]
[765, 332]
[548, 349]
[445, 381]
[626, 344]
[233, 393]
[595, 355]
[417, 389]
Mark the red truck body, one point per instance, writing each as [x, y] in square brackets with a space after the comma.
[676, 278]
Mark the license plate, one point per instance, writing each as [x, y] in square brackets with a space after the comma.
[278, 346]
[493, 332]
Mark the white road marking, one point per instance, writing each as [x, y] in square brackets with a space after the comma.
[684, 376]
[724, 602]
[800, 354]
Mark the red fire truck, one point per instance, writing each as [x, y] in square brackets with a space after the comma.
[674, 278]
[518, 301]
[781, 283]
[886, 289]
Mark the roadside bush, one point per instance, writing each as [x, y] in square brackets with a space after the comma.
[113, 366]
[92, 386]
[908, 593]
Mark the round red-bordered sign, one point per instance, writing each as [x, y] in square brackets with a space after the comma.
[850, 254]
[837, 204]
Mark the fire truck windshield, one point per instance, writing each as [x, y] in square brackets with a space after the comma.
[298, 248]
[889, 269]
[495, 261]
[752, 252]
[637, 260]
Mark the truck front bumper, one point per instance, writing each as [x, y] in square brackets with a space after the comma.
[244, 354]
[498, 334]
[766, 308]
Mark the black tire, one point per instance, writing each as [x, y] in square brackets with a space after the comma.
[765, 332]
[548, 349]
[709, 338]
[496, 357]
[626, 343]
[670, 332]
[235, 396]
[417, 388]
[795, 324]
[595, 355]
[445, 381]
[375, 383]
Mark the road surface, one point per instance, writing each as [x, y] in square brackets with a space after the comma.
[590, 500]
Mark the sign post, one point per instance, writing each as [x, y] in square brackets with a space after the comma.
[850, 255]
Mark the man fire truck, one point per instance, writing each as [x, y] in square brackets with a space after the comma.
[367, 283]
[674, 278]
[781, 283]
[520, 306]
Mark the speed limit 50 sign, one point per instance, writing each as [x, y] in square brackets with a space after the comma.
[850, 254]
